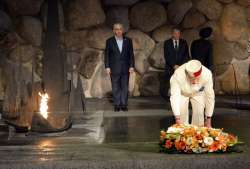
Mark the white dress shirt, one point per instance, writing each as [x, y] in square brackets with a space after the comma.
[174, 42]
[119, 42]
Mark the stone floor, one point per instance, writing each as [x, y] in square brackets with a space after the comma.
[101, 138]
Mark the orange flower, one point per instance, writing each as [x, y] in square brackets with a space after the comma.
[221, 139]
[199, 137]
[189, 132]
[231, 138]
[214, 147]
[180, 145]
[214, 133]
[176, 125]
[223, 147]
[168, 144]
[163, 133]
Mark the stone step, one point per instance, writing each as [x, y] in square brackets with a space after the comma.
[87, 117]
[87, 126]
[3, 127]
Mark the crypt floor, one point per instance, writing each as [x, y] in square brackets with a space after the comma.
[101, 138]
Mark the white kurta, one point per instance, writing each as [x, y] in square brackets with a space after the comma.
[201, 96]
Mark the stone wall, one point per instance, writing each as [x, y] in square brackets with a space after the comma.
[86, 24]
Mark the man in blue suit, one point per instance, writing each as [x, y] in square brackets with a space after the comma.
[119, 63]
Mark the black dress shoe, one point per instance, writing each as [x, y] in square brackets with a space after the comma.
[124, 108]
[116, 108]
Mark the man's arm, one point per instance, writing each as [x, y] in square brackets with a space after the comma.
[175, 97]
[131, 55]
[167, 55]
[209, 102]
[210, 97]
[107, 57]
[186, 52]
[210, 57]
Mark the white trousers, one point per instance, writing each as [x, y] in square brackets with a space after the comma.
[198, 107]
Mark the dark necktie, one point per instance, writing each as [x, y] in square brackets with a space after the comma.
[175, 44]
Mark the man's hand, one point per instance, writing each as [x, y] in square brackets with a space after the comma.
[131, 70]
[177, 120]
[176, 67]
[108, 70]
[208, 122]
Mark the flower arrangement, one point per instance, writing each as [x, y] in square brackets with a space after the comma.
[193, 139]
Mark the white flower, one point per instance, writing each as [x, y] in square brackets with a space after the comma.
[199, 150]
[174, 130]
[208, 141]
[189, 141]
[195, 149]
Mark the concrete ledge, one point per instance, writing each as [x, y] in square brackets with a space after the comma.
[124, 156]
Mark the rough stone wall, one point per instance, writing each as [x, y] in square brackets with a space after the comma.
[86, 24]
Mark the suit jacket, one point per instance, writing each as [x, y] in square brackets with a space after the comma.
[202, 50]
[175, 56]
[119, 62]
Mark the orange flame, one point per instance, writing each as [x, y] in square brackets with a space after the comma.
[44, 104]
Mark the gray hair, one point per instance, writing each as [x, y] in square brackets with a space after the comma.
[118, 25]
[176, 29]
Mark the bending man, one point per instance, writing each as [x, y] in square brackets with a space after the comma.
[192, 82]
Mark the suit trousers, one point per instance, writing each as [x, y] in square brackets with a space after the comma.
[120, 89]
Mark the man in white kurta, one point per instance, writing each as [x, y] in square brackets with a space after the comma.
[192, 82]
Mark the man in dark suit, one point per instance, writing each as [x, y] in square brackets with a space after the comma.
[119, 63]
[176, 53]
[202, 49]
